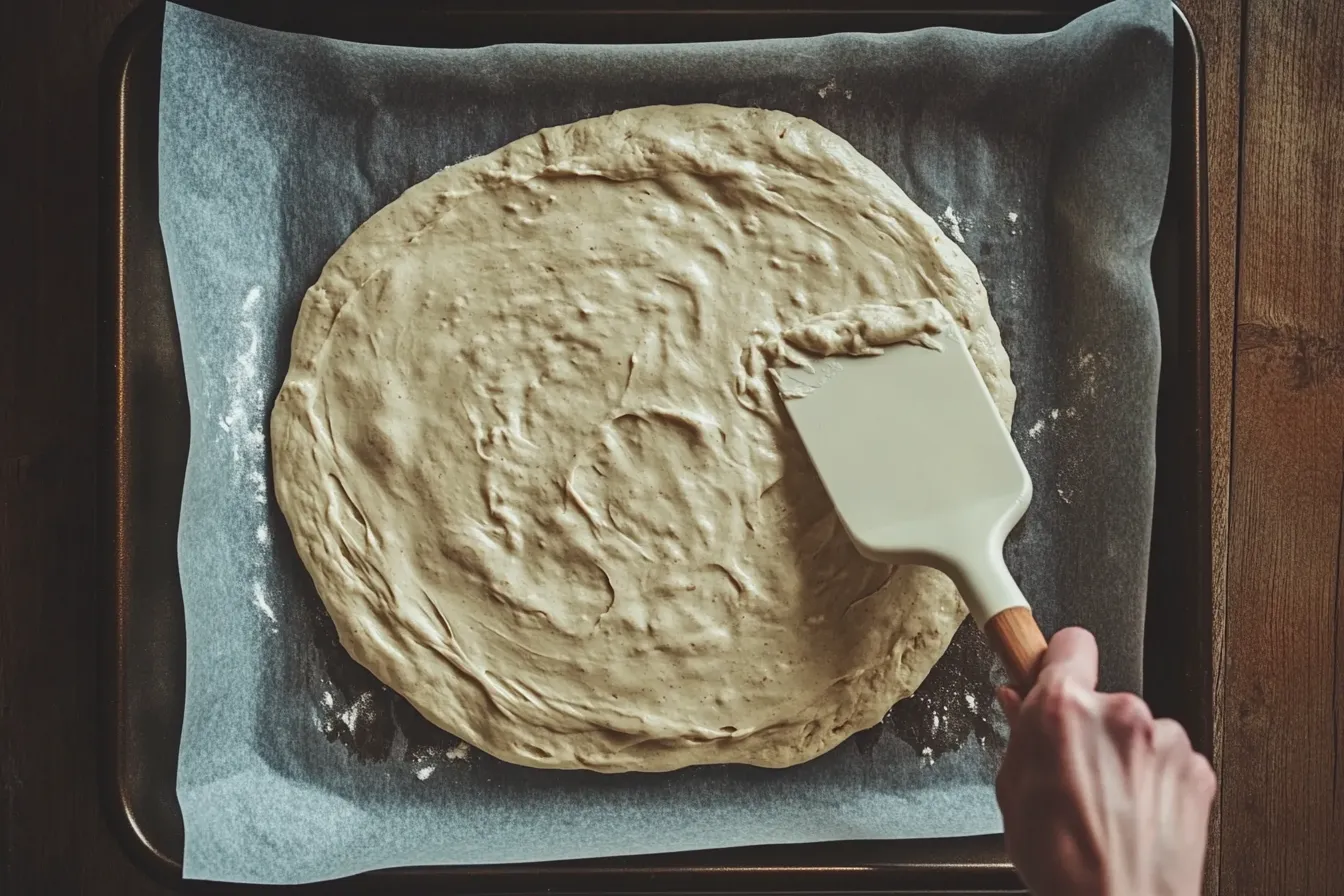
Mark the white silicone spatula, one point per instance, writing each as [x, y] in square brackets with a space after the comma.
[922, 470]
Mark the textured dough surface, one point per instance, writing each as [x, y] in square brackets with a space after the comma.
[530, 452]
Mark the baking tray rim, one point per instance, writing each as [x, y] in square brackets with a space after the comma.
[145, 24]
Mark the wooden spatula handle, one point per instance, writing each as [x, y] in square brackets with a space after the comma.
[1018, 641]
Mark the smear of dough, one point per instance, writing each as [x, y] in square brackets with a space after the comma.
[866, 329]
[859, 331]
[530, 453]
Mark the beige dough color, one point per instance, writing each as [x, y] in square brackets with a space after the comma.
[530, 450]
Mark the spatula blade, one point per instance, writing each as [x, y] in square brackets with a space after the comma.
[913, 453]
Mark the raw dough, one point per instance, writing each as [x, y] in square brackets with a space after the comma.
[530, 453]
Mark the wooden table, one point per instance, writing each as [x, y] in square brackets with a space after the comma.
[1276, 183]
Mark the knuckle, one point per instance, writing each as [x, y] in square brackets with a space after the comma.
[1054, 703]
[1130, 716]
[1170, 734]
[1200, 774]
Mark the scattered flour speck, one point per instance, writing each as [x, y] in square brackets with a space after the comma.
[328, 700]
[952, 224]
[424, 772]
[927, 753]
[1012, 217]
[259, 600]
[1036, 428]
[970, 702]
[1054, 413]
[351, 715]
[1063, 496]
[1084, 371]
[459, 752]
[827, 89]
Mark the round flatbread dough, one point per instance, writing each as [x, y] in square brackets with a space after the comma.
[530, 454]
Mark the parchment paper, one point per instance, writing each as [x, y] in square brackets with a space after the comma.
[1046, 156]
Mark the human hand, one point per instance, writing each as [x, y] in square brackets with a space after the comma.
[1097, 797]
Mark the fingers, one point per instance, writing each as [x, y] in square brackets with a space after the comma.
[1169, 736]
[1071, 654]
[1201, 780]
[1185, 786]
[1192, 769]
[1130, 721]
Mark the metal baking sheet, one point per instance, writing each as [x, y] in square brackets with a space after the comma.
[147, 431]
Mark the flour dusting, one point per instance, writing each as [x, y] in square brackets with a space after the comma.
[259, 600]
[242, 422]
[350, 717]
[951, 222]
[1083, 371]
[244, 427]
[1049, 420]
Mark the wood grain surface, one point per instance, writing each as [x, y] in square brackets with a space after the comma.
[1282, 807]
[1275, 98]
[1018, 643]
